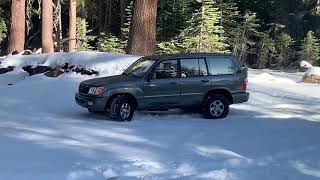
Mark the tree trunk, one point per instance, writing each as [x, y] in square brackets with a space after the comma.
[57, 26]
[18, 26]
[142, 38]
[101, 16]
[73, 26]
[108, 14]
[47, 26]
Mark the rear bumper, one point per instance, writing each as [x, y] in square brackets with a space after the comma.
[240, 97]
[91, 103]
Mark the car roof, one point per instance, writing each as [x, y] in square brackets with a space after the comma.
[189, 55]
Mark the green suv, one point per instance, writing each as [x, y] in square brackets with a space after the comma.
[208, 82]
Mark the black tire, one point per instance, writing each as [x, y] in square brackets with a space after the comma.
[216, 106]
[122, 108]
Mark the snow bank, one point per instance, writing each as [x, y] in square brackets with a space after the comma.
[305, 64]
[105, 63]
[268, 78]
[313, 71]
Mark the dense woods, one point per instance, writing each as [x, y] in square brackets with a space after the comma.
[261, 33]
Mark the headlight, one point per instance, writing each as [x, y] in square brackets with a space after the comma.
[96, 90]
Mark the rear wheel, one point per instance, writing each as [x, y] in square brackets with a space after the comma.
[216, 106]
[122, 108]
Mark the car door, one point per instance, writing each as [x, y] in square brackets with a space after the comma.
[194, 81]
[223, 73]
[162, 88]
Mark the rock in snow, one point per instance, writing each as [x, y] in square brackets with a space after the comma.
[304, 66]
[312, 75]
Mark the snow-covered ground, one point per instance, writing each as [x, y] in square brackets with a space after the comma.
[44, 135]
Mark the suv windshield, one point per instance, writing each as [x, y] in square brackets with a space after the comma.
[140, 67]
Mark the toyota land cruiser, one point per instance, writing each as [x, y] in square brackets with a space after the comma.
[210, 82]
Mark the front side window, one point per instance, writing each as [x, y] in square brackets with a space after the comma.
[193, 68]
[221, 66]
[166, 69]
[140, 67]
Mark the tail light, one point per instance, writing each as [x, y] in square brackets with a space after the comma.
[245, 84]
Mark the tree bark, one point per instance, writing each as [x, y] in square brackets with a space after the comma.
[142, 37]
[73, 26]
[101, 15]
[58, 27]
[18, 26]
[108, 14]
[47, 26]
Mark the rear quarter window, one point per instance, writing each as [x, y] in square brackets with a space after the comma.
[221, 66]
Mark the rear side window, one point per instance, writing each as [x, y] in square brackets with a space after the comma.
[193, 68]
[221, 66]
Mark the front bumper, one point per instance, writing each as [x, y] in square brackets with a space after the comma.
[90, 102]
[240, 97]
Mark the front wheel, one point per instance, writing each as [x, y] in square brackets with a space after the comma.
[122, 108]
[216, 107]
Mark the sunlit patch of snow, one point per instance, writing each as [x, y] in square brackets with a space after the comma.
[305, 169]
[79, 175]
[313, 71]
[222, 174]
[268, 78]
[305, 64]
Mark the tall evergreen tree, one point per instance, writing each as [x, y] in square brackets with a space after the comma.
[230, 19]
[82, 35]
[142, 38]
[246, 36]
[47, 26]
[18, 26]
[204, 34]
[172, 17]
[285, 53]
[72, 26]
[3, 30]
[267, 51]
[310, 49]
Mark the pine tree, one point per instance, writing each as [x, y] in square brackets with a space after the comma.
[3, 30]
[267, 51]
[142, 36]
[82, 35]
[204, 34]
[246, 35]
[109, 43]
[310, 49]
[285, 53]
[169, 47]
[172, 17]
[72, 26]
[47, 26]
[18, 26]
[230, 19]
